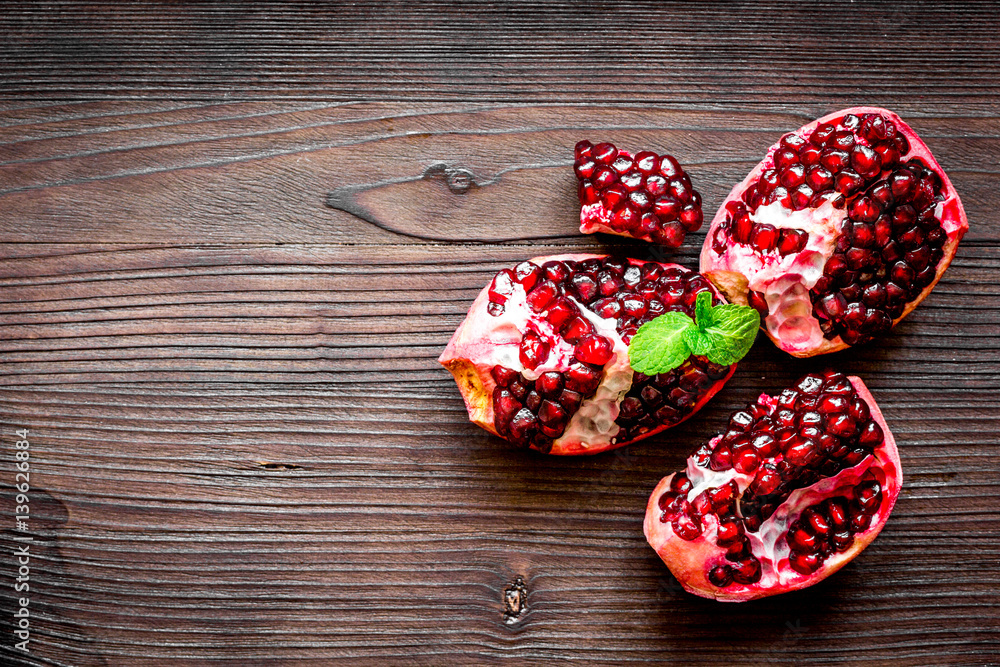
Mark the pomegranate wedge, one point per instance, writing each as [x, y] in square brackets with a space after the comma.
[645, 196]
[840, 231]
[796, 487]
[542, 357]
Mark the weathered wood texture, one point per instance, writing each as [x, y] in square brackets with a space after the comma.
[243, 450]
[624, 52]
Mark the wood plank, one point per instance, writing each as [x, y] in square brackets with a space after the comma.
[255, 172]
[559, 51]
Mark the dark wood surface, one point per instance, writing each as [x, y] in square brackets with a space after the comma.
[243, 449]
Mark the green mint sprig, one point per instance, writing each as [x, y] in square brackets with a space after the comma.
[723, 333]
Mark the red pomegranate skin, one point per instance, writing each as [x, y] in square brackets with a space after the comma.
[787, 282]
[692, 561]
[595, 421]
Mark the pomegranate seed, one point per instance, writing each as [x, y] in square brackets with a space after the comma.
[522, 426]
[801, 538]
[502, 286]
[871, 435]
[843, 139]
[577, 329]
[804, 563]
[747, 571]
[533, 350]
[860, 523]
[764, 237]
[680, 483]
[686, 527]
[847, 182]
[656, 185]
[758, 302]
[784, 158]
[834, 159]
[632, 180]
[646, 161]
[583, 149]
[551, 413]
[527, 274]
[809, 156]
[622, 164]
[670, 235]
[670, 167]
[821, 135]
[721, 575]
[570, 400]
[503, 376]
[549, 384]
[728, 532]
[865, 161]
[802, 197]
[594, 349]
[582, 378]
[746, 461]
[585, 167]
[743, 228]
[721, 458]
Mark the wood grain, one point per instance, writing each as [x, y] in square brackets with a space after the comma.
[233, 242]
[558, 51]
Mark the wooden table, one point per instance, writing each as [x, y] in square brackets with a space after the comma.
[242, 448]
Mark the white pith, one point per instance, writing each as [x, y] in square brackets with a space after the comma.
[786, 280]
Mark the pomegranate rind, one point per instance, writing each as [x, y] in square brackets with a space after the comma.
[691, 561]
[953, 220]
[467, 357]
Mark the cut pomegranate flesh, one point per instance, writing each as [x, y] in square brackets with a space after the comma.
[645, 196]
[797, 486]
[844, 227]
[542, 357]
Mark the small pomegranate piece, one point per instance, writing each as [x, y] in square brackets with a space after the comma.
[821, 486]
[645, 196]
[542, 357]
[866, 220]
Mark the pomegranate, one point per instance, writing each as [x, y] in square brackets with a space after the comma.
[841, 230]
[542, 357]
[644, 196]
[797, 486]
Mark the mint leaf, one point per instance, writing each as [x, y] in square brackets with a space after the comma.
[659, 346]
[697, 341]
[731, 329]
[703, 311]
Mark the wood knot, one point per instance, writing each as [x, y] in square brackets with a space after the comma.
[515, 600]
[267, 465]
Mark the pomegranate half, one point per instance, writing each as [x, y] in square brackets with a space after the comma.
[795, 488]
[542, 357]
[644, 196]
[840, 231]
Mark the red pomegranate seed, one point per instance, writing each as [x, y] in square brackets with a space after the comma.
[764, 237]
[594, 349]
[583, 149]
[502, 286]
[577, 329]
[791, 241]
[533, 351]
[527, 274]
[542, 296]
